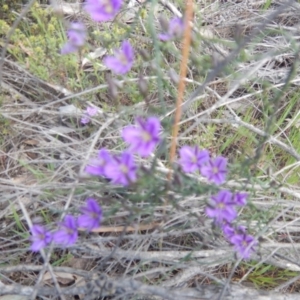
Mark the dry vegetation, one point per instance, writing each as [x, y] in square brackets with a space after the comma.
[241, 101]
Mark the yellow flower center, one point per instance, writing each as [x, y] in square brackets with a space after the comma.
[69, 230]
[93, 215]
[245, 244]
[146, 136]
[124, 169]
[215, 170]
[221, 205]
[107, 6]
[122, 58]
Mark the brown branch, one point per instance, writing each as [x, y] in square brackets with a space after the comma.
[104, 286]
[181, 84]
[139, 227]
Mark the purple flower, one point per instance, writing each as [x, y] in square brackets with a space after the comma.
[96, 166]
[67, 234]
[143, 136]
[175, 30]
[85, 120]
[122, 60]
[76, 38]
[122, 169]
[90, 112]
[40, 237]
[240, 199]
[244, 244]
[91, 215]
[215, 170]
[192, 159]
[103, 10]
[220, 207]
[230, 231]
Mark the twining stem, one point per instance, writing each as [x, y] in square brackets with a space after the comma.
[138, 227]
[181, 85]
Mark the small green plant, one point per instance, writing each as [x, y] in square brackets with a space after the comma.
[265, 276]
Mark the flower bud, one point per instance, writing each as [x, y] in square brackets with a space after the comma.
[113, 88]
[163, 23]
[143, 85]
[144, 54]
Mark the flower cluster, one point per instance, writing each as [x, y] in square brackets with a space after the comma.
[105, 10]
[243, 243]
[67, 232]
[101, 11]
[222, 206]
[222, 209]
[142, 138]
[193, 159]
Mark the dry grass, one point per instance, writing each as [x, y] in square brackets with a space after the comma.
[155, 242]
